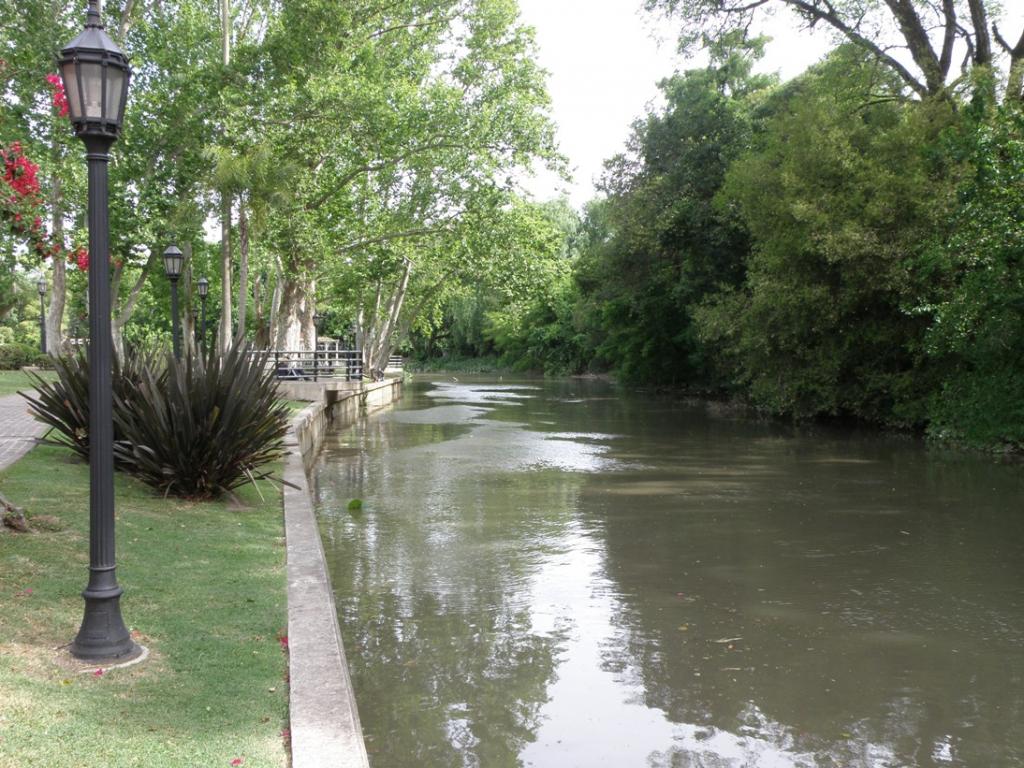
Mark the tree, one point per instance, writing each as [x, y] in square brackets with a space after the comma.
[933, 34]
[659, 244]
[411, 120]
[842, 200]
[977, 335]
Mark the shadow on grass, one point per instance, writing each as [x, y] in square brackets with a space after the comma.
[204, 590]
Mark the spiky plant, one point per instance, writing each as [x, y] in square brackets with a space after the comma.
[63, 404]
[210, 424]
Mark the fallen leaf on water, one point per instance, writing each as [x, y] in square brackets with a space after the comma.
[727, 640]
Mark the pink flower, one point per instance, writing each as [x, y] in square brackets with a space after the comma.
[238, 761]
[98, 673]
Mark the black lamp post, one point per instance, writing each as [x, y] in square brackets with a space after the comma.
[204, 291]
[41, 287]
[173, 262]
[195, 324]
[95, 74]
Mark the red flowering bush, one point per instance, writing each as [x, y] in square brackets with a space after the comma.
[60, 99]
[21, 206]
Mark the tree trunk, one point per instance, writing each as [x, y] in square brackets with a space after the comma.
[225, 271]
[243, 268]
[58, 280]
[294, 331]
[274, 313]
[123, 310]
[225, 31]
[259, 297]
[378, 336]
[225, 201]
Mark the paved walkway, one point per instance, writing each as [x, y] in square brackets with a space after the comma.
[18, 430]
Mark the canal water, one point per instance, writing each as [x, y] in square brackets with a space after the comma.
[557, 574]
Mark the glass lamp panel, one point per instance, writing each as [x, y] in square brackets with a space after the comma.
[69, 74]
[115, 85]
[172, 266]
[92, 89]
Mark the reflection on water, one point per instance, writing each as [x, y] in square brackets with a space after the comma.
[546, 574]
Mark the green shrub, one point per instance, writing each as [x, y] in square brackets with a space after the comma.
[14, 356]
[205, 427]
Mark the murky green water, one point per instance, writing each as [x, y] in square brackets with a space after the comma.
[551, 575]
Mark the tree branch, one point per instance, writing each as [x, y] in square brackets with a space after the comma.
[408, 233]
[918, 43]
[949, 37]
[831, 18]
[982, 42]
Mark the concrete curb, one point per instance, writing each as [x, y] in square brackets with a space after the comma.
[325, 729]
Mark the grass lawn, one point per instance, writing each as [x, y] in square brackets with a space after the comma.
[204, 591]
[15, 381]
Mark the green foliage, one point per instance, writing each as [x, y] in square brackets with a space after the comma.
[14, 356]
[978, 330]
[658, 244]
[544, 335]
[205, 426]
[841, 199]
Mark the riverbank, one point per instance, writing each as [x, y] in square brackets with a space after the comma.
[204, 592]
[325, 725]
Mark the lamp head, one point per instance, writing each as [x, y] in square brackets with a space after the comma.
[95, 74]
[174, 260]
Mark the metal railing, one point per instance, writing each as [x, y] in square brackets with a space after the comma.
[316, 365]
[327, 362]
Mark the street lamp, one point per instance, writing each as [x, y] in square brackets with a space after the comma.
[41, 287]
[95, 74]
[173, 262]
[204, 291]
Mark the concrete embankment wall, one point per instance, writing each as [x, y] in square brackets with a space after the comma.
[325, 729]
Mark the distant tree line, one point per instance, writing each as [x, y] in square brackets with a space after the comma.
[845, 244]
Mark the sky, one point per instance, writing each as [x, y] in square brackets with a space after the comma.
[605, 58]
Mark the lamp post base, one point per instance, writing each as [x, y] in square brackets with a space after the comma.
[103, 635]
